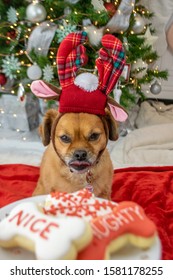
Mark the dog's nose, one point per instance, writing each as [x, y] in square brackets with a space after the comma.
[80, 155]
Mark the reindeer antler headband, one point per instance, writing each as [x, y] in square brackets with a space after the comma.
[85, 92]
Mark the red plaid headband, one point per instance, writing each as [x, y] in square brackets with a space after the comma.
[85, 92]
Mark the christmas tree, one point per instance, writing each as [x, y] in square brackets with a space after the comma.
[31, 31]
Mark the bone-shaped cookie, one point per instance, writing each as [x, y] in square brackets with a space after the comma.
[81, 203]
[49, 237]
[114, 225]
[127, 223]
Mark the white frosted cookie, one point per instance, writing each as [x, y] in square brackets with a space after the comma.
[48, 237]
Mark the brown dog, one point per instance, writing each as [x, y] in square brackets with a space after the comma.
[76, 155]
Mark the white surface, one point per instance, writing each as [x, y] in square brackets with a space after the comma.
[20, 147]
[148, 146]
[127, 253]
[22, 152]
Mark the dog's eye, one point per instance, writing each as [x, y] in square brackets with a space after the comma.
[65, 139]
[94, 136]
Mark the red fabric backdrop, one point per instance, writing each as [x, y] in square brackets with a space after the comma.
[151, 187]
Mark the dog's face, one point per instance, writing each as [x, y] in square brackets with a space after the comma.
[78, 138]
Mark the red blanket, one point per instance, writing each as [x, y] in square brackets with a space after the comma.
[151, 187]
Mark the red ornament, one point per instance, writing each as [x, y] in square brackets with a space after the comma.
[110, 7]
[11, 34]
[3, 79]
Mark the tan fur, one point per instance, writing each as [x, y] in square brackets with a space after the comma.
[55, 174]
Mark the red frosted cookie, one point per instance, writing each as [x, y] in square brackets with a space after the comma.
[127, 223]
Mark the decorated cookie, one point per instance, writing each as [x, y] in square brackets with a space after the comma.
[113, 225]
[127, 223]
[82, 203]
[47, 236]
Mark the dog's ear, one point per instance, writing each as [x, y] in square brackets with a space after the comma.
[112, 126]
[45, 127]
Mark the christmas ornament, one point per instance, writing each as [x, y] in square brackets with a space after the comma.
[12, 15]
[35, 12]
[110, 7]
[10, 66]
[117, 92]
[120, 20]
[48, 73]
[63, 30]
[126, 72]
[155, 88]
[149, 39]
[7, 87]
[139, 69]
[21, 93]
[98, 5]
[139, 24]
[41, 38]
[34, 72]
[12, 35]
[3, 79]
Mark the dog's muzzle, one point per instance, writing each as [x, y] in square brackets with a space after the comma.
[79, 162]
